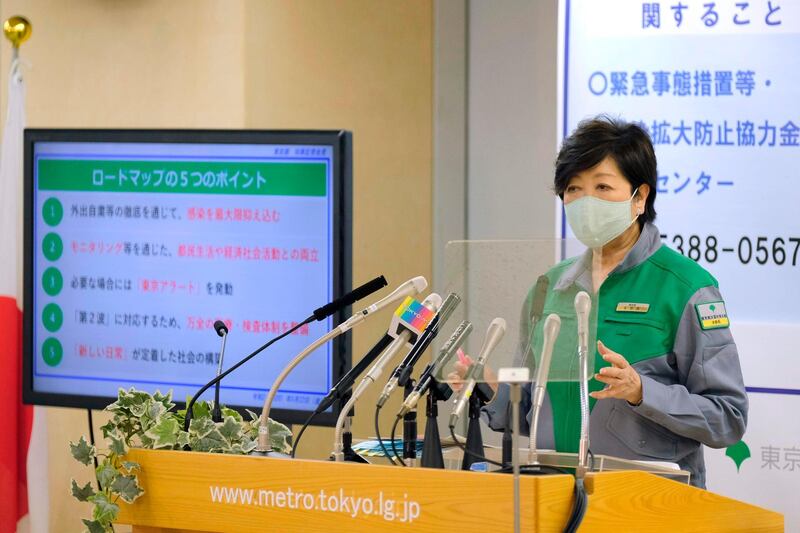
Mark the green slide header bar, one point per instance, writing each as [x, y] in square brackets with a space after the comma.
[188, 177]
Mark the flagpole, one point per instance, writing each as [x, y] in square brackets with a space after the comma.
[17, 30]
[29, 452]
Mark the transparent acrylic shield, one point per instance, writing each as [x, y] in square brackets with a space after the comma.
[520, 284]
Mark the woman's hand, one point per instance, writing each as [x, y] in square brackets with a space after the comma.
[621, 380]
[456, 378]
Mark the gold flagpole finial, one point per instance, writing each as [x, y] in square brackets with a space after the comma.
[17, 30]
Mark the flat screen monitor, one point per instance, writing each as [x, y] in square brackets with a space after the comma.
[137, 241]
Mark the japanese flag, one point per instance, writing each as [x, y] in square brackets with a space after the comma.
[23, 444]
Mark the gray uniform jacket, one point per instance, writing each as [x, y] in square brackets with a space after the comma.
[692, 394]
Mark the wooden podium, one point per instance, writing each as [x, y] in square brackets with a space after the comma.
[200, 492]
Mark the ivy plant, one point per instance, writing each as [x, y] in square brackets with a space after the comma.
[142, 420]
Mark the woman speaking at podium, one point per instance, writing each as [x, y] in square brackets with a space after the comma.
[667, 377]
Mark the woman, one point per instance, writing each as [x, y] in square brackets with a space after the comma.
[667, 377]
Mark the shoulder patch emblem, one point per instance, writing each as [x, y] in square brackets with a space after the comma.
[631, 307]
[712, 315]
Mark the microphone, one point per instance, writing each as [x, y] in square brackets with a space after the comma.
[344, 384]
[403, 371]
[321, 313]
[552, 326]
[416, 285]
[409, 287]
[583, 306]
[432, 302]
[332, 307]
[539, 296]
[493, 336]
[537, 308]
[434, 368]
[222, 331]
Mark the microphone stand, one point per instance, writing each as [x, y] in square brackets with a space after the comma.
[190, 405]
[347, 435]
[432, 444]
[481, 395]
[216, 413]
[508, 437]
[409, 429]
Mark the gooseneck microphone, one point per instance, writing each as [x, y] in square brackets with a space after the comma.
[323, 312]
[222, 331]
[583, 306]
[552, 326]
[493, 336]
[409, 288]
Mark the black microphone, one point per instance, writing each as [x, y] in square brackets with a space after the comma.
[321, 313]
[428, 376]
[343, 386]
[539, 296]
[222, 331]
[348, 299]
[448, 306]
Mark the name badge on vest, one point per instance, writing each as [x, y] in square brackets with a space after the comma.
[630, 307]
[712, 315]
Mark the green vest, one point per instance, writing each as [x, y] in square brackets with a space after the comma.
[662, 285]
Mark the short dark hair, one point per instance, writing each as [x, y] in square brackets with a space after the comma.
[603, 136]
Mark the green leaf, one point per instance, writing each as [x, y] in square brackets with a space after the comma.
[164, 434]
[147, 442]
[201, 409]
[82, 494]
[127, 487]
[739, 452]
[117, 444]
[226, 412]
[248, 445]
[82, 452]
[200, 427]
[165, 400]
[210, 442]
[93, 526]
[130, 401]
[253, 416]
[155, 409]
[105, 511]
[138, 409]
[280, 437]
[183, 439]
[106, 474]
[231, 429]
[108, 428]
[131, 465]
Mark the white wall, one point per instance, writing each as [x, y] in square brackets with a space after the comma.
[512, 135]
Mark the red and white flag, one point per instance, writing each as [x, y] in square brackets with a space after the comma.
[23, 445]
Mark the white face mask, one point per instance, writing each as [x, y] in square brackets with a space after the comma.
[597, 222]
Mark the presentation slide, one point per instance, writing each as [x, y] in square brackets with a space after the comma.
[140, 247]
[717, 85]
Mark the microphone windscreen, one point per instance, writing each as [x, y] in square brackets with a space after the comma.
[350, 298]
[220, 328]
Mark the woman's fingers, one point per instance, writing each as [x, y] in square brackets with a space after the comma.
[608, 379]
[611, 371]
[611, 356]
